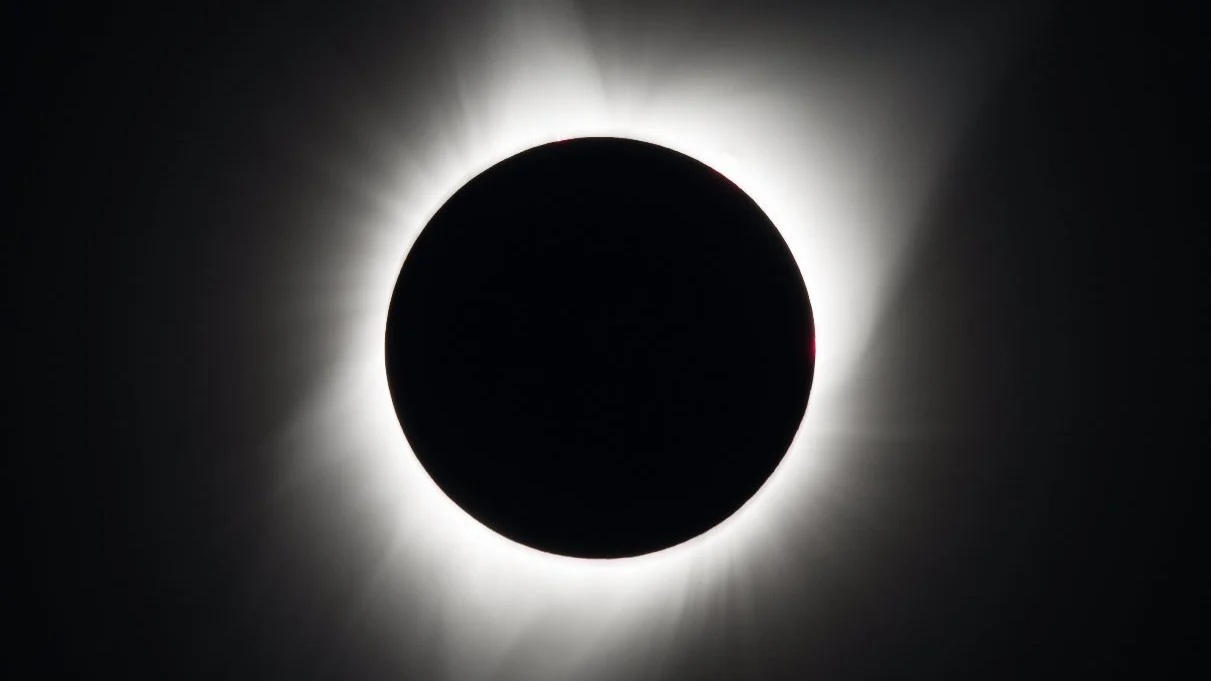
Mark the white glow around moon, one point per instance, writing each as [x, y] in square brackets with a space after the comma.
[837, 131]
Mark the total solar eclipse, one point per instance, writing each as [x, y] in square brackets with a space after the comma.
[600, 348]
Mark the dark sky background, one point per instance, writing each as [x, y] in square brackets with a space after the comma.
[1049, 309]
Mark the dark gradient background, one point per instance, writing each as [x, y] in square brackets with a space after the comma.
[1048, 315]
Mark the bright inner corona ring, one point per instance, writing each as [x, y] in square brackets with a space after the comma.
[838, 142]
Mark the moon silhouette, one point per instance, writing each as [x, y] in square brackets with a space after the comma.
[600, 348]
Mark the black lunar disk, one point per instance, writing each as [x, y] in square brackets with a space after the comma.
[600, 348]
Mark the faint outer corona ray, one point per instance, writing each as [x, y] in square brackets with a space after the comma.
[837, 131]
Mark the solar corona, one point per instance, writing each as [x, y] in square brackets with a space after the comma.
[593, 347]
